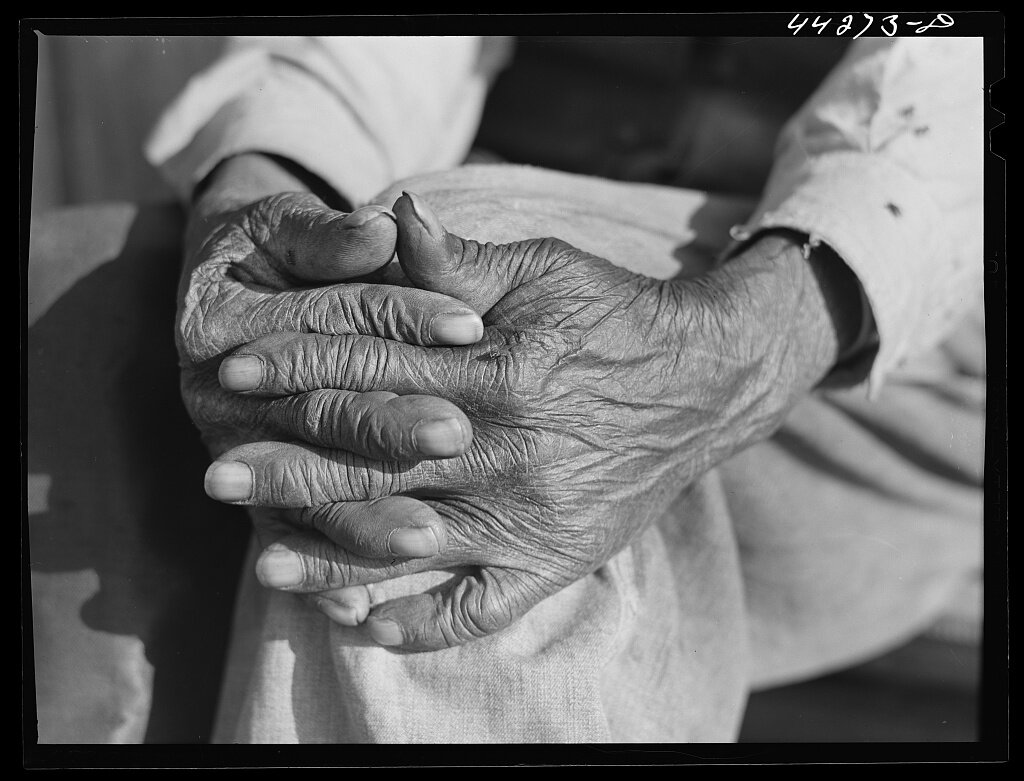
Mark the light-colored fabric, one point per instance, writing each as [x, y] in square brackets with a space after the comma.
[361, 112]
[843, 536]
[885, 163]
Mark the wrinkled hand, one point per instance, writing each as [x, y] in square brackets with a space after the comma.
[595, 396]
[265, 268]
[262, 269]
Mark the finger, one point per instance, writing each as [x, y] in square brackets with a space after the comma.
[278, 474]
[220, 314]
[379, 425]
[309, 242]
[395, 526]
[345, 606]
[289, 363]
[309, 563]
[478, 274]
[467, 608]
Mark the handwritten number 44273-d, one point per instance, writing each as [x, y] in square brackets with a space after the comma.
[889, 25]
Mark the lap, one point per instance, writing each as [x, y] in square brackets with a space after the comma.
[752, 551]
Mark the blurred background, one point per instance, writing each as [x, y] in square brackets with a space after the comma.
[92, 118]
[97, 98]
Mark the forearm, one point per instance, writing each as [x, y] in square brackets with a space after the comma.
[243, 179]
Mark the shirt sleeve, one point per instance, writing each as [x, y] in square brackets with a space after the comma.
[884, 163]
[360, 112]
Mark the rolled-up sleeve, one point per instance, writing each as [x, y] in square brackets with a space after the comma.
[360, 112]
[884, 163]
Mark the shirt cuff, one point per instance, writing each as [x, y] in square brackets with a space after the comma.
[881, 221]
[244, 105]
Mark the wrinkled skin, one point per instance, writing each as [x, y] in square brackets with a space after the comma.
[262, 269]
[595, 396]
[268, 267]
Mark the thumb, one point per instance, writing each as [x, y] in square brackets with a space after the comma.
[477, 274]
[473, 606]
[311, 243]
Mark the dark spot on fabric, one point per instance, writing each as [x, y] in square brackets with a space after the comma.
[894, 209]
[920, 131]
[289, 257]
[906, 112]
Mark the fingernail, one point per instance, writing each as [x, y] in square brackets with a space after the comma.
[384, 631]
[412, 541]
[279, 569]
[426, 216]
[360, 217]
[228, 481]
[456, 328]
[241, 373]
[346, 615]
[439, 437]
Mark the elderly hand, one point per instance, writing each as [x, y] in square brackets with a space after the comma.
[257, 264]
[260, 268]
[596, 395]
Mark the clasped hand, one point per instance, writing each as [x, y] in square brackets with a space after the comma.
[376, 444]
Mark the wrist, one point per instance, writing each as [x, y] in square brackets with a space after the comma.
[241, 180]
[840, 289]
[774, 327]
[807, 300]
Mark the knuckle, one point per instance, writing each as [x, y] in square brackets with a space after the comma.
[341, 419]
[382, 315]
[342, 525]
[268, 213]
[278, 312]
[556, 248]
[332, 310]
[375, 433]
[323, 518]
[364, 538]
[369, 360]
[361, 483]
[400, 314]
[473, 614]
[515, 375]
[315, 416]
[544, 254]
[267, 220]
[329, 567]
[285, 484]
[294, 365]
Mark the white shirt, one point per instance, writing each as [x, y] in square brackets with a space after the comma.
[884, 163]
